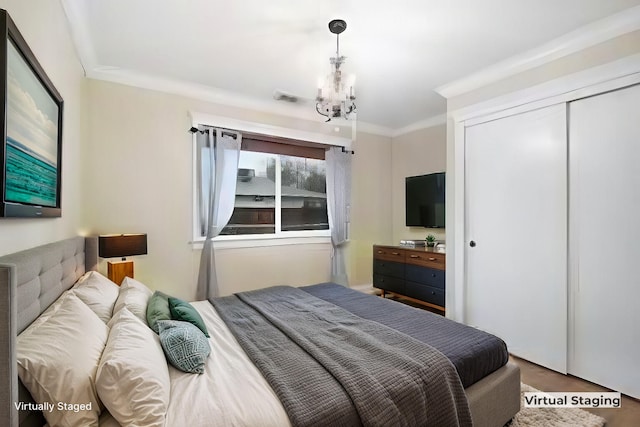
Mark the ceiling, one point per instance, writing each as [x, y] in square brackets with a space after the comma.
[399, 51]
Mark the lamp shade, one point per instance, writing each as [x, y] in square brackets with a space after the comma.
[122, 245]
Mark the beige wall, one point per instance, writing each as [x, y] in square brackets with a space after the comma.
[416, 153]
[139, 179]
[371, 204]
[43, 25]
[244, 269]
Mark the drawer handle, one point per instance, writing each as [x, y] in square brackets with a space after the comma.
[395, 253]
[414, 256]
[433, 293]
[432, 259]
[433, 274]
[380, 252]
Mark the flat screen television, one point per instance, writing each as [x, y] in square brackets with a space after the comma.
[425, 200]
[31, 124]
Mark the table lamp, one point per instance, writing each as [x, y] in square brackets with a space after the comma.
[121, 246]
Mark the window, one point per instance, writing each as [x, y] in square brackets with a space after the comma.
[281, 189]
[278, 193]
[303, 194]
[255, 206]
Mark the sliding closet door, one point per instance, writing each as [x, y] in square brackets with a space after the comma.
[516, 232]
[605, 239]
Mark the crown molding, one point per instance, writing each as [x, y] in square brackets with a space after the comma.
[438, 120]
[221, 97]
[562, 89]
[589, 35]
[196, 91]
[374, 129]
[75, 13]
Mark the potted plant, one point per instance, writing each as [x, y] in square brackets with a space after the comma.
[431, 240]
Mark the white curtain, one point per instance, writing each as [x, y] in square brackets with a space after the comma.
[338, 164]
[219, 151]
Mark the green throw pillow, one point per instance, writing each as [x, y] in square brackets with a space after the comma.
[182, 310]
[158, 309]
[185, 346]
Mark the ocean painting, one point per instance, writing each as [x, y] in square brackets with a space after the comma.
[32, 136]
[30, 178]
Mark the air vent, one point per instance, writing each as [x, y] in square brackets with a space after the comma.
[278, 95]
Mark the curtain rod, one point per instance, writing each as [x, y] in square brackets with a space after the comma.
[196, 130]
[227, 133]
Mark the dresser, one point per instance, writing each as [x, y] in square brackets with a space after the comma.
[417, 274]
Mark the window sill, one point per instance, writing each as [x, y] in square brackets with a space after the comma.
[253, 241]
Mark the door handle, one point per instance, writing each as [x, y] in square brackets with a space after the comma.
[472, 244]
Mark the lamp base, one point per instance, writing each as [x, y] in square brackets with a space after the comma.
[117, 271]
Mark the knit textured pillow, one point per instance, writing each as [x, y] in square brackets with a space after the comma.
[185, 345]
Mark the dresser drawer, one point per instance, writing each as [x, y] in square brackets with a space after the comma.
[426, 259]
[424, 293]
[388, 254]
[388, 283]
[388, 268]
[425, 275]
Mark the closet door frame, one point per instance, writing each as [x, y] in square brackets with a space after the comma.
[570, 88]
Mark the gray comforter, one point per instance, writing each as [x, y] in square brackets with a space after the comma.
[331, 367]
[473, 352]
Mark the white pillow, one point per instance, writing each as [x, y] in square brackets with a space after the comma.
[58, 358]
[53, 308]
[135, 296]
[98, 292]
[128, 282]
[133, 376]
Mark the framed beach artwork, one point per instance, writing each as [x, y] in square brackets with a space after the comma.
[31, 116]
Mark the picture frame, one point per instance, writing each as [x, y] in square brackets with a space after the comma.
[31, 114]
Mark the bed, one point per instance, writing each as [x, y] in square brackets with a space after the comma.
[33, 280]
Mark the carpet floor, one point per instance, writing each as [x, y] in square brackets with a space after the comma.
[552, 417]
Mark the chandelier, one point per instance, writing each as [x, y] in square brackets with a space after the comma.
[336, 98]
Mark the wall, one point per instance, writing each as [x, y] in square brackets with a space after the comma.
[603, 53]
[43, 25]
[370, 204]
[244, 269]
[139, 179]
[127, 168]
[416, 153]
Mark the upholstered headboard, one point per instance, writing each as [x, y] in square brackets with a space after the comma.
[30, 281]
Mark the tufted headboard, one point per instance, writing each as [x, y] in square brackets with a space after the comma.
[30, 281]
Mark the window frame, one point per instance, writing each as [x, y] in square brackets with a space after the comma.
[251, 240]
